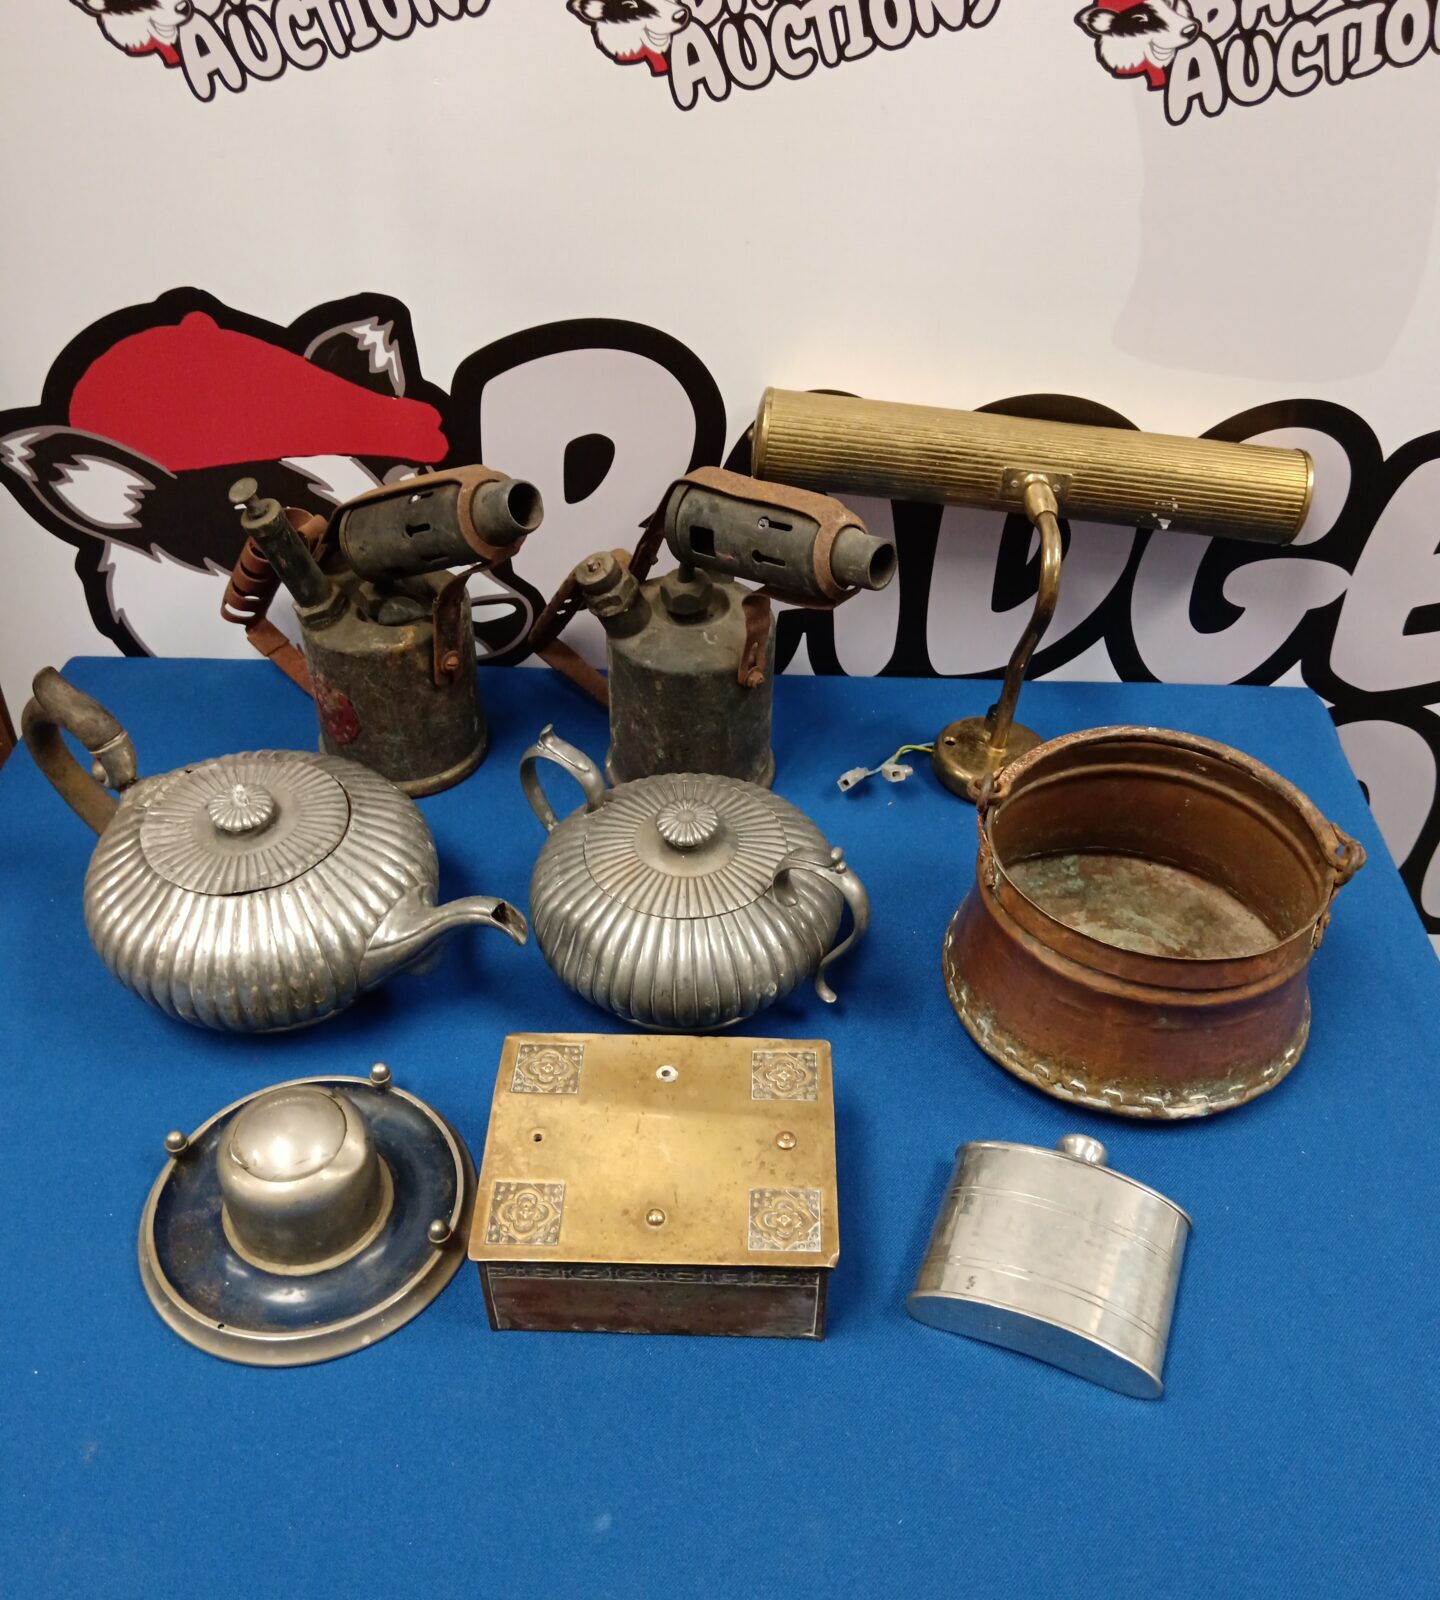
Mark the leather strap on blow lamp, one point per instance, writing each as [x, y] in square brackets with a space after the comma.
[254, 584]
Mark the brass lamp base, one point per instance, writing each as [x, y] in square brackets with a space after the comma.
[965, 755]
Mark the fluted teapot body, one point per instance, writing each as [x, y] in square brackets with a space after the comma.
[256, 892]
[685, 901]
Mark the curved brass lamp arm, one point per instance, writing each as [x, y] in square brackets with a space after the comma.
[1043, 511]
[970, 752]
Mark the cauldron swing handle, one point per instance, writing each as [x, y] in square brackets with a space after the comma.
[833, 871]
[59, 706]
[1346, 856]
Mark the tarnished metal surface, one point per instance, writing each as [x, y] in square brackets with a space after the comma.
[58, 706]
[389, 637]
[686, 901]
[1146, 906]
[254, 893]
[569, 598]
[377, 695]
[306, 1221]
[797, 544]
[1145, 909]
[254, 584]
[904, 452]
[455, 518]
[677, 703]
[968, 753]
[1045, 469]
[1058, 1073]
[691, 656]
[678, 1185]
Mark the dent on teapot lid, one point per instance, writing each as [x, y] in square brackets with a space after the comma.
[687, 844]
[244, 823]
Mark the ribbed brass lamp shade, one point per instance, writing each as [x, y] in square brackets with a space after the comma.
[1047, 470]
[837, 444]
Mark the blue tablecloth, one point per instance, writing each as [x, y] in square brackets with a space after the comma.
[1293, 1454]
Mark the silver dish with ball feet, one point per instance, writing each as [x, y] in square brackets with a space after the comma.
[306, 1221]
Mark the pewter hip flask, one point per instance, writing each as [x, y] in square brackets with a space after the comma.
[1053, 1254]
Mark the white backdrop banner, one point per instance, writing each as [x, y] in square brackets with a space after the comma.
[577, 240]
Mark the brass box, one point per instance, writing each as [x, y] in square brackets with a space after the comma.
[649, 1183]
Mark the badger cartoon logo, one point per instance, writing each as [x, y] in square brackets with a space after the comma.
[149, 415]
[1135, 37]
[631, 31]
[142, 27]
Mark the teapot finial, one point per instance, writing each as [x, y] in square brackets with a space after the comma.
[687, 824]
[242, 808]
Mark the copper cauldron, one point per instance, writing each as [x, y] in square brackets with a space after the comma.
[1145, 907]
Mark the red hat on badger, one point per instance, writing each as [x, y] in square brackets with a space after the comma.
[194, 394]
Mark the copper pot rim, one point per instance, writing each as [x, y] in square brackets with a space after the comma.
[1338, 855]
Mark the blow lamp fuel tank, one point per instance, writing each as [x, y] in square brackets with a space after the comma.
[386, 624]
[691, 655]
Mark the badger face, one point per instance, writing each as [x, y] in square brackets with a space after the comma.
[162, 18]
[1152, 30]
[170, 13]
[658, 20]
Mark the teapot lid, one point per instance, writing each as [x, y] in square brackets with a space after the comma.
[244, 823]
[687, 845]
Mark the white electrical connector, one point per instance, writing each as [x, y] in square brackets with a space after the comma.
[893, 771]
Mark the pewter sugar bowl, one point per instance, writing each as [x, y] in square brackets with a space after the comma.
[253, 893]
[685, 901]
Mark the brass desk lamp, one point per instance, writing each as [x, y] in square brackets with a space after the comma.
[836, 444]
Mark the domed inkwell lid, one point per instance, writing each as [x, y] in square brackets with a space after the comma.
[684, 900]
[306, 1221]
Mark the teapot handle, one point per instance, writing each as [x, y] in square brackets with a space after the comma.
[58, 705]
[835, 872]
[580, 767]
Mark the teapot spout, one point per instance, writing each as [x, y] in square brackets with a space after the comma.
[413, 934]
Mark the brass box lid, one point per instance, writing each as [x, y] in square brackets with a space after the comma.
[660, 1150]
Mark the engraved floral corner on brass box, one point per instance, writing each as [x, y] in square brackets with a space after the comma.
[784, 1219]
[525, 1213]
[784, 1075]
[547, 1069]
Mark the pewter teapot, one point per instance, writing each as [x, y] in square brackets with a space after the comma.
[684, 901]
[254, 893]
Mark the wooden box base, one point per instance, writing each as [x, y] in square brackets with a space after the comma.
[750, 1302]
